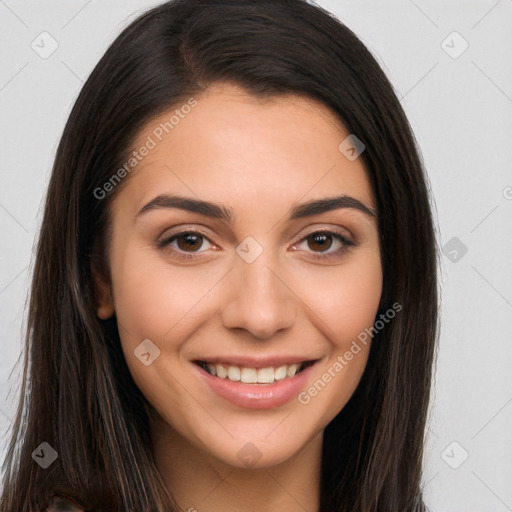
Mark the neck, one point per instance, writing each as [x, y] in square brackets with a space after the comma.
[200, 482]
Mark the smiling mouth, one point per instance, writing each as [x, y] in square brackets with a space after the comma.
[248, 375]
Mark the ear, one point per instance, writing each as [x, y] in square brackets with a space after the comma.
[102, 291]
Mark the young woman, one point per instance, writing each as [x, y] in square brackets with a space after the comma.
[234, 300]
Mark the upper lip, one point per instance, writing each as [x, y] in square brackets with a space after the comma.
[256, 362]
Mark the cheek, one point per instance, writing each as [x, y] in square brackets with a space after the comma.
[151, 296]
[343, 305]
[344, 299]
[161, 302]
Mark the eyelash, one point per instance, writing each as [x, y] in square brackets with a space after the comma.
[346, 244]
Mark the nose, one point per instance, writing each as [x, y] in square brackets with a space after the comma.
[261, 302]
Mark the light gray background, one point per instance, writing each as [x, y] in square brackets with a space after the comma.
[461, 112]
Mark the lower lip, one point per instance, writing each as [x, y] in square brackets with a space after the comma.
[257, 396]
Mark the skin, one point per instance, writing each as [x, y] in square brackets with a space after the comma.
[259, 158]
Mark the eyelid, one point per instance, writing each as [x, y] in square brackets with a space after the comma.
[346, 244]
[335, 232]
[181, 230]
[345, 234]
[193, 229]
[163, 242]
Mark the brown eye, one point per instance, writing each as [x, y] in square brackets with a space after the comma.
[325, 244]
[186, 244]
[320, 242]
[189, 242]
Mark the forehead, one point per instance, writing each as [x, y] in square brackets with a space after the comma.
[234, 147]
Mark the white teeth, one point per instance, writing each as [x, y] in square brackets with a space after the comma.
[249, 375]
[234, 373]
[265, 375]
[280, 373]
[221, 371]
[292, 370]
[253, 375]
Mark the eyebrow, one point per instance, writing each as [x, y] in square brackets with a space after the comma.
[219, 211]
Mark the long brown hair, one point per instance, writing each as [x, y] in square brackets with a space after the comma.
[77, 394]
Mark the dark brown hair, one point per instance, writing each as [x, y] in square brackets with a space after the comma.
[77, 393]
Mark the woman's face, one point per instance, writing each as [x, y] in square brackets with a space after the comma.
[250, 274]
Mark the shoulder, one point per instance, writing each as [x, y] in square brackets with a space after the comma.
[59, 503]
